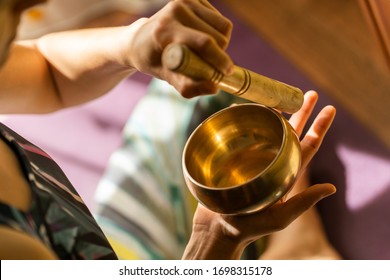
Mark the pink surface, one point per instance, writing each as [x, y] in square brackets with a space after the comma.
[81, 139]
[356, 218]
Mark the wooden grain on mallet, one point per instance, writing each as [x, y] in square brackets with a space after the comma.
[243, 83]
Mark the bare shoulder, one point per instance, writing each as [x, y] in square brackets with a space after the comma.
[17, 245]
[15, 191]
[14, 188]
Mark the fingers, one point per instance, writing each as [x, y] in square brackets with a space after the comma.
[207, 4]
[189, 88]
[312, 141]
[316, 133]
[209, 20]
[285, 213]
[307, 199]
[198, 26]
[194, 23]
[299, 119]
[206, 48]
[279, 215]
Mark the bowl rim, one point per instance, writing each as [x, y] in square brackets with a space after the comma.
[282, 120]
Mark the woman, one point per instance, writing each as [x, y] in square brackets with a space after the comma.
[41, 214]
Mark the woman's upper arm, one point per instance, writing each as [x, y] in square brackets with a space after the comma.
[26, 84]
[16, 245]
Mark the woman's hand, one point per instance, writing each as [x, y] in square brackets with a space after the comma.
[217, 236]
[195, 23]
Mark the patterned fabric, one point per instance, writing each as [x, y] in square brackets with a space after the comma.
[142, 202]
[57, 216]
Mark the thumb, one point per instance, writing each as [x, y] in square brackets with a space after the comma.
[303, 201]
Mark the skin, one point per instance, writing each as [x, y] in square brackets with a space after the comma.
[304, 238]
[217, 236]
[68, 68]
[49, 71]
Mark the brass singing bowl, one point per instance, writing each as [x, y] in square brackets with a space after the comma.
[242, 159]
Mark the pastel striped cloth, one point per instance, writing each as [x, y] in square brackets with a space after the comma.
[142, 202]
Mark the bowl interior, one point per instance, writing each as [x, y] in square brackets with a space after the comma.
[233, 146]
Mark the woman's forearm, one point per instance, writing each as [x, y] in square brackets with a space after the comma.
[68, 68]
[86, 64]
[64, 69]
